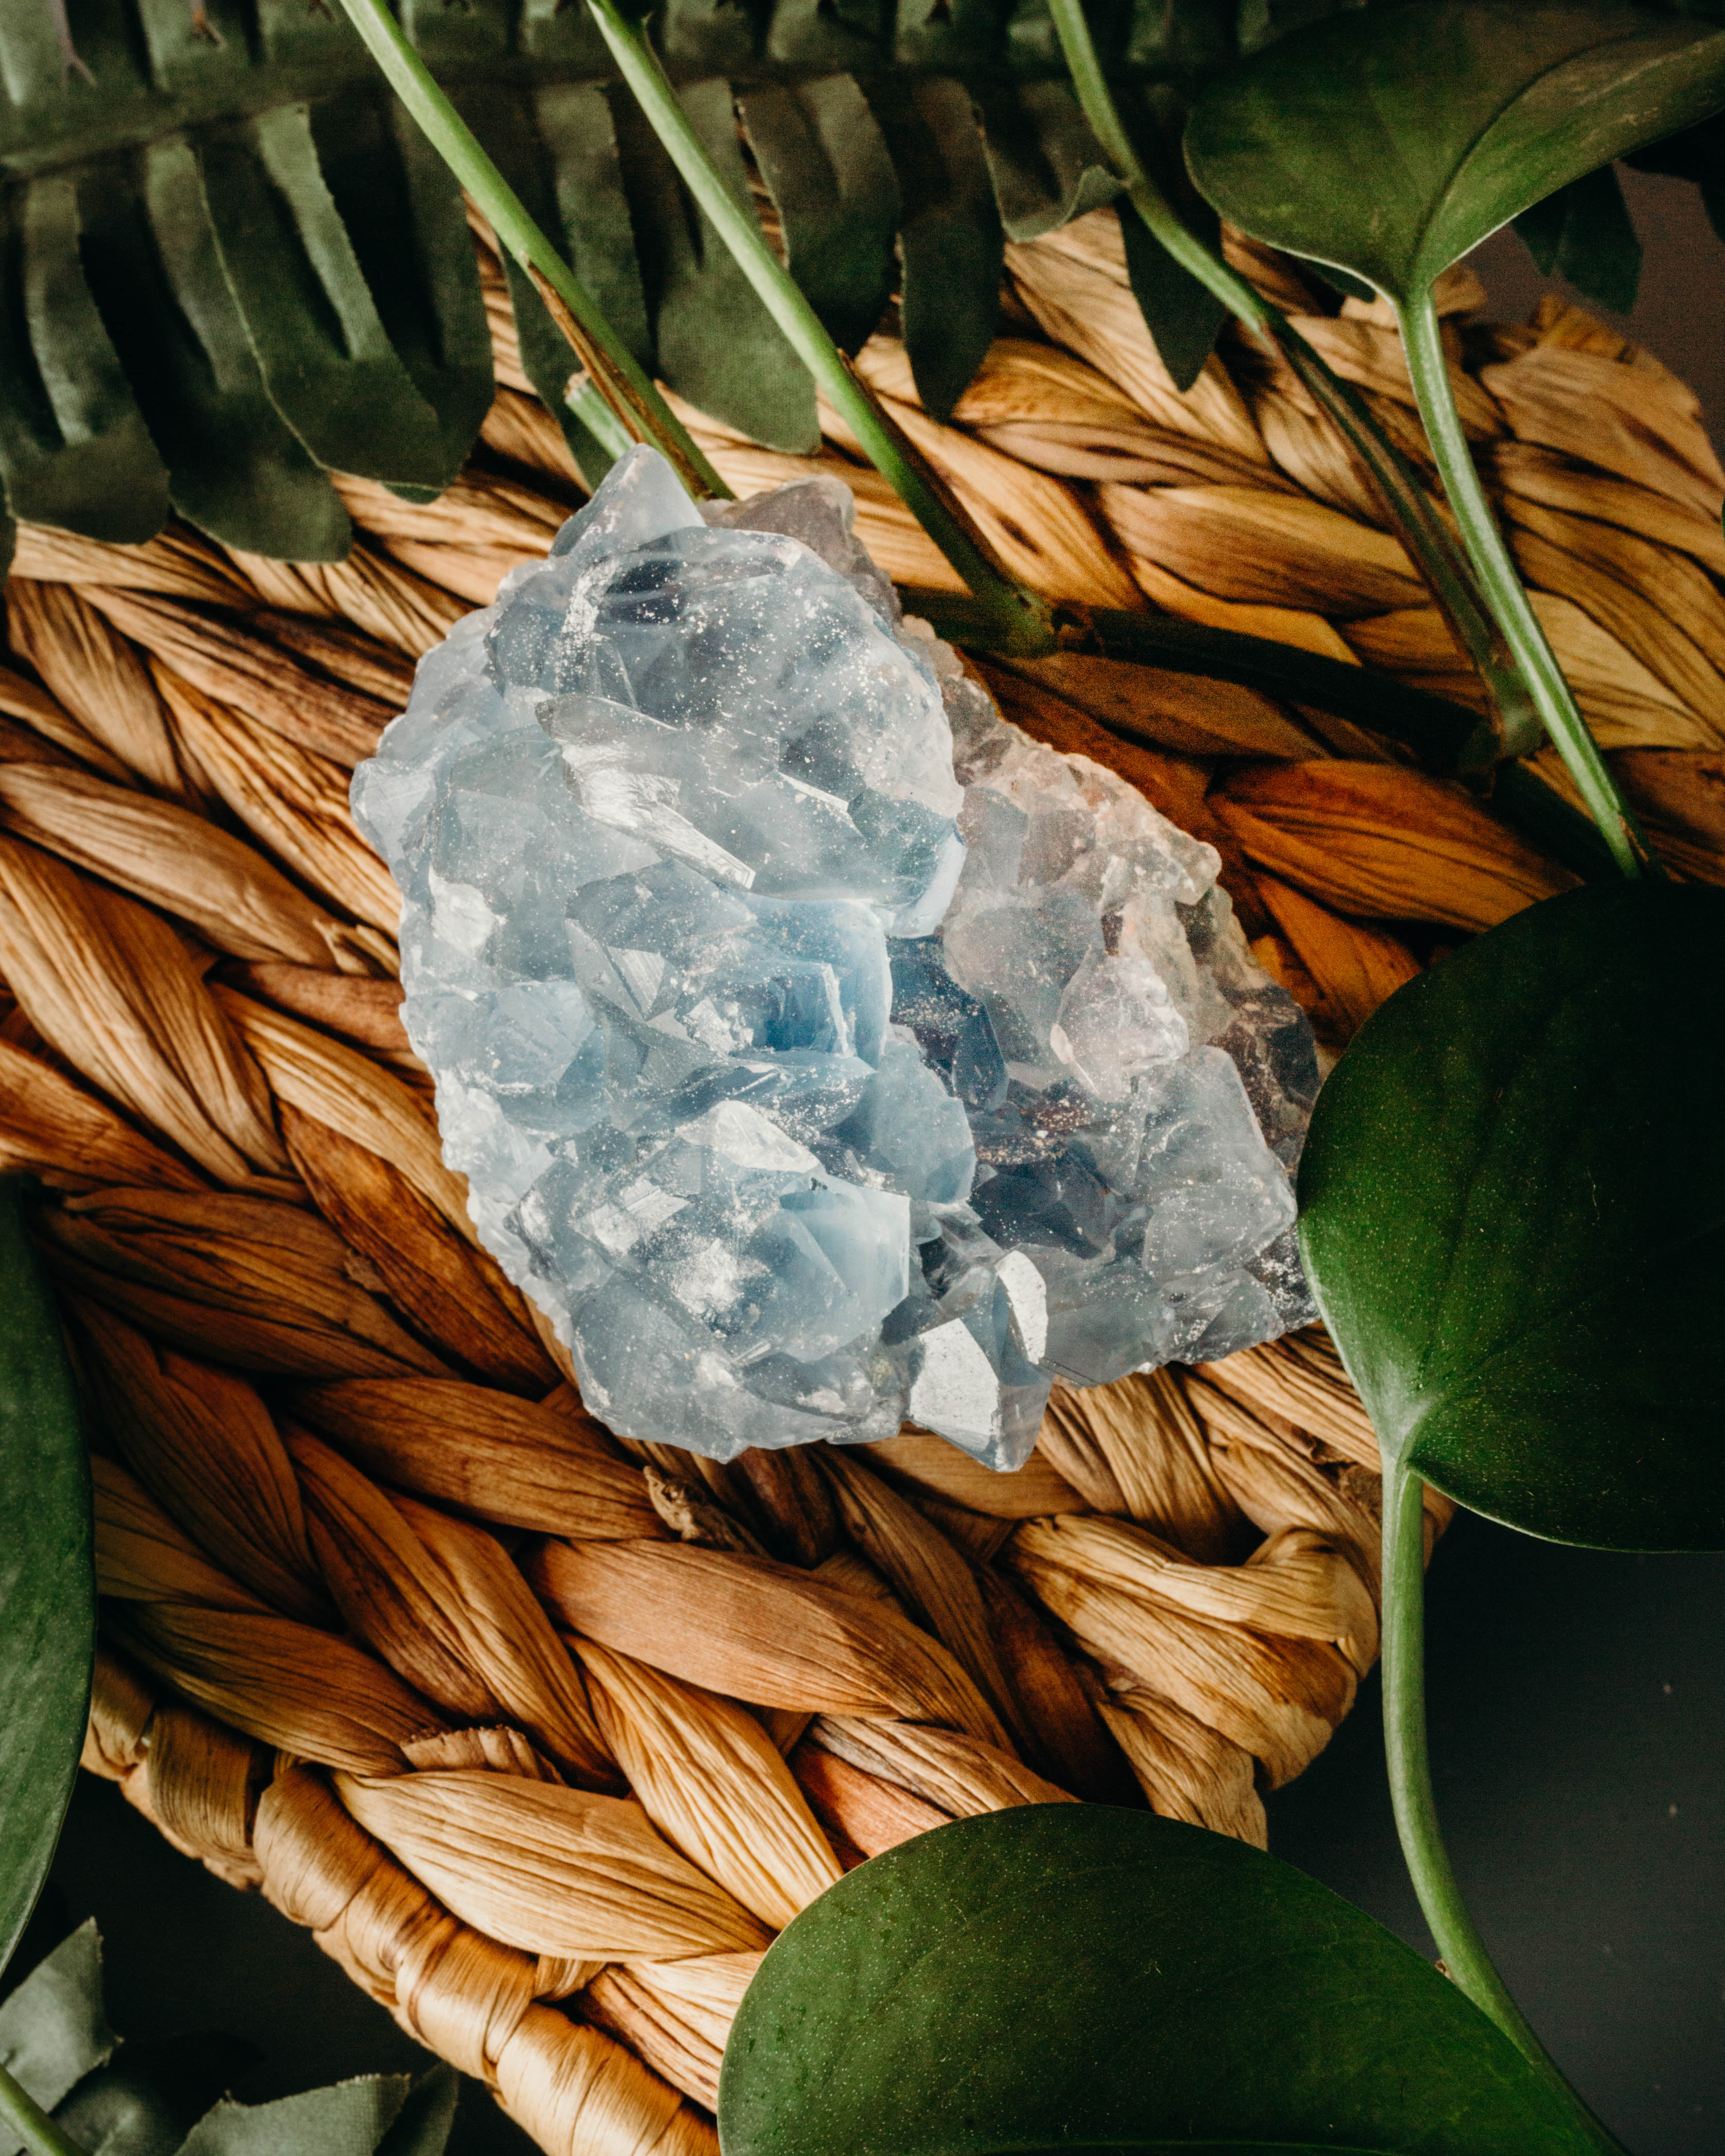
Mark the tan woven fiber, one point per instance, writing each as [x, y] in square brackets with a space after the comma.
[544, 1734]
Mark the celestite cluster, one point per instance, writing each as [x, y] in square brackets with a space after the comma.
[821, 1053]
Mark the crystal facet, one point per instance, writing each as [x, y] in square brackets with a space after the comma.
[821, 1051]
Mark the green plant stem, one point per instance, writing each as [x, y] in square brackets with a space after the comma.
[1428, 367]
[26, 2120]
[1443, 566]
[632, 395]
[1022, 622]
[1469, 1966]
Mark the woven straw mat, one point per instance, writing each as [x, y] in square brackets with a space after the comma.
[546, 1734]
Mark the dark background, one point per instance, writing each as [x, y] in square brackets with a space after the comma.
[1577, 1716]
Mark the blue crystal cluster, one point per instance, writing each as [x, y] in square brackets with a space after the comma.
[821, 1053]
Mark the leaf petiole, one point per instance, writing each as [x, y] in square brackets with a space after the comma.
[1429, 370]
[1440, 561]
[27, 2122]
[1407, 1747]
[1020, 620]
[641, 412]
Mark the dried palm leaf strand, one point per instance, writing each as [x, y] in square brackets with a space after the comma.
[1187, 1770]
[235, 667]
[367, 591]
[508, 1640]
[51, 1128]
[1265, 550]
[284, 1683]
[1037, 525]
[930, 1464]
[861, 1814]
[1181, 713]
[1296, 1584]
[1074, 283]
[1286, 1386]
[141, 1556]
[552, 1871]
[1617, 417]
[1654, 639]
[201, 1442]
[266, 1287]
[471, 1998]
[98, 676]
[1281, 1703]
[1136, 1450]
[493, 1456]
[1383, 841]
[438, 1281]
[751, 1628]
[1522, 473]
[174, 859]
[116, 991]
[52, 735]
[337, 1086]
[676, 2013]
[957, 1775]
[179, 562]
[1067, 1744]
[1662, 580]
[936, 1587]
[348, 654]
[1353, 967]
[364, 1010]
[1370, 354]
[712, 1783]
[296, 803]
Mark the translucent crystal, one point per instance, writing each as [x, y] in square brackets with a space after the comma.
[822, 1052]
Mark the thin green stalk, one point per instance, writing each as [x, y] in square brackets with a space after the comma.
[1022, 620]
[1428, 369]
[1432, 545]
[640, 409]
[26, 2121]
[1465, 1957]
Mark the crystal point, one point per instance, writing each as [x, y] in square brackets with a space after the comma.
[821, 1051]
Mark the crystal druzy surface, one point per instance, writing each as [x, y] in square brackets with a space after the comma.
[822, 1052]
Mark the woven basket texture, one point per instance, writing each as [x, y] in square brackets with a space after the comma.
[544, 1734]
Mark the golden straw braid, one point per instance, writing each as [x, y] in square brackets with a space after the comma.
[545, 1734]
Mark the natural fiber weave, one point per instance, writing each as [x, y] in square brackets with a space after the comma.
[545, 1734]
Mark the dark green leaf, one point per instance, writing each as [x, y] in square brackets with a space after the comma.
[1697, 154]
[422, 2126]
[946, 35]
[235, 468]
[150, 2099]
[824, 162]
[1584, 232]
[1067, 1976]
[47, 1577]
[52, 2030]
[403, 214]
[717, 345]
[504, 121]
[1182, 315]
[73, 447]
[701, 38]
[1046, 165]
[1514, 1219]
[1337, 143]
[349, 2119]
[950, 240]
[327, 362]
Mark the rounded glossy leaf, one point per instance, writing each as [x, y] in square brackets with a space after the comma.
[1514, 1219]
[1067, 1976]
[1391, 142]
[47, 1577]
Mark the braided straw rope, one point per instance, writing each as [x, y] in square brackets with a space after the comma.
[545, 1734]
